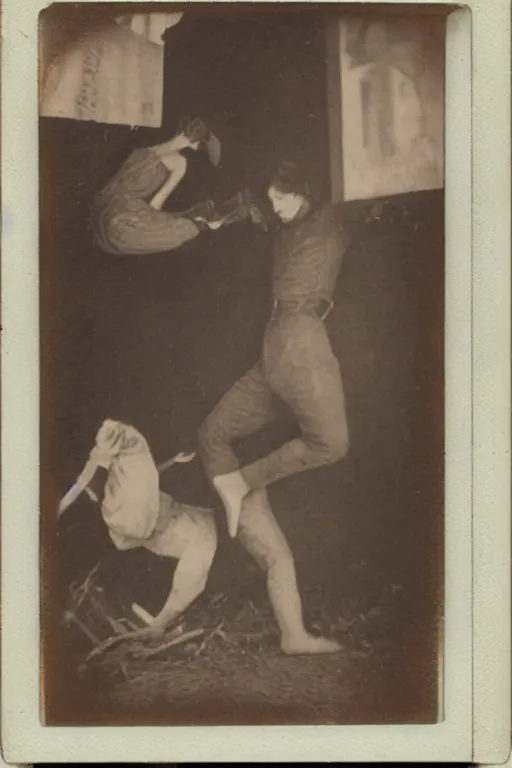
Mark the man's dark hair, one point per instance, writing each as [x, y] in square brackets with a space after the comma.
[288, 179]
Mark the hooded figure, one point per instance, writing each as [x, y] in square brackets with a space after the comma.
[138, 514]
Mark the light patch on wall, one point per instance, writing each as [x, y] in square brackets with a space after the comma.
[151, 25]
[392, 100]
[111, 74]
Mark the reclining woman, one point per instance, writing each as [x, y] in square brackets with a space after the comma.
[127, 216]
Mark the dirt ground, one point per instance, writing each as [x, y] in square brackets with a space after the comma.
[231, 669]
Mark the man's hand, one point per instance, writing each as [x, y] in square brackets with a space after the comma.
[211, 224]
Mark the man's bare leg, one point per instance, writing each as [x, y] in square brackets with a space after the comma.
[261, 535]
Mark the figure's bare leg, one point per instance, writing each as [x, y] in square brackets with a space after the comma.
[261, 535]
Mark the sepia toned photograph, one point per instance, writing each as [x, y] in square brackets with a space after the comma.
[242, 282]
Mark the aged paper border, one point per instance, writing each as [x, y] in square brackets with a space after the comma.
[476, 724]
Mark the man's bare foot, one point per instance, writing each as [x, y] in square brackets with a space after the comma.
[232, 489]
[307, 643]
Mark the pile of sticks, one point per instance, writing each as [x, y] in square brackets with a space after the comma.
[116, 641]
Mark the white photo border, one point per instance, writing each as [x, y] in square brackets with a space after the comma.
[476, 721]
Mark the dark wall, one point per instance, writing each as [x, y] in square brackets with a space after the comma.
[131, 327]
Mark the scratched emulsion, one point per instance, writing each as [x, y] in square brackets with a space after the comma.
[87, 99]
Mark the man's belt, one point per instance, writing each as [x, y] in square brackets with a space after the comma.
[320, 307]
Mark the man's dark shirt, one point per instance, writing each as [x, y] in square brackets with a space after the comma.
[308, 255]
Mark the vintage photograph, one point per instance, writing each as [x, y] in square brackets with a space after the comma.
[242, 263]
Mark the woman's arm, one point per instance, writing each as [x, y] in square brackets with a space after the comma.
[177, 166]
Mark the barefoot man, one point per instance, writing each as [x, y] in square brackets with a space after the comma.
[296, 366]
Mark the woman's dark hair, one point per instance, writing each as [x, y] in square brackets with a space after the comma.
[194, 129]
[288, 179]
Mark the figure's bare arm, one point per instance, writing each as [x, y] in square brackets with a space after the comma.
[181, 458]
[194, 546]
[177, 166]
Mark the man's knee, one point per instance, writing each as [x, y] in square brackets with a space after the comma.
[208, 437]
[273, 557]
[209, 433]
[204, 433]
[261, 536]
[280, 563]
